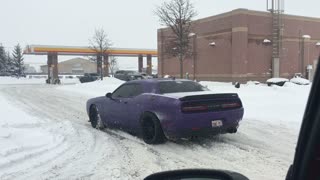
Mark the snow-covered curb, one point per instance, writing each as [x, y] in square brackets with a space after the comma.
[13, 80]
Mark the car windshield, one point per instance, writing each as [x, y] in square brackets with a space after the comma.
[121, 89]
[180, 86]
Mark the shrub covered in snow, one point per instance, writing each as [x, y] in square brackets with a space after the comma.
[300, 81]
[277, 81]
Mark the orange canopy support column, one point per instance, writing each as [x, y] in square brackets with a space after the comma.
[140, 63]
[149, 64]
[53, 72]
[106, 65]
[55, 67]
[99, 64]
[49, 63]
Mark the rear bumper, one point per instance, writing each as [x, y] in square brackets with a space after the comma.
[200, 124]
[204, 132]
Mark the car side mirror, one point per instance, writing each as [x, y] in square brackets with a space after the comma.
[109, 95]
[199, 174]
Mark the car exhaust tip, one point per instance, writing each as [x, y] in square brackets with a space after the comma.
[233, 130]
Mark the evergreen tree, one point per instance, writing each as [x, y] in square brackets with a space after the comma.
[18, 60]
[2, 59]
[9, 63]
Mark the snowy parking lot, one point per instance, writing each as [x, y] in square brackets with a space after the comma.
[45, 134]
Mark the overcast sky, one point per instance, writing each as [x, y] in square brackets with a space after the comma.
[129, 23]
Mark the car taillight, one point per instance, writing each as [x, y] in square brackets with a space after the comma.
[230, 105]
[195, 108]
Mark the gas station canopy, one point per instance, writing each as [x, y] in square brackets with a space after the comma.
[86, 51]
[53, 52]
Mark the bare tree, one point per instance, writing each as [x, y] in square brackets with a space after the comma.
[113, 65]
[177, 15]
[100, 43]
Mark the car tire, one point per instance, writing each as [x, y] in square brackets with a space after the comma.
[152, 132]
[95, 118]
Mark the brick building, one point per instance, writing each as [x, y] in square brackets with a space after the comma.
[236, 46]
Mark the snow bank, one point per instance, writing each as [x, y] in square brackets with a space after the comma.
[283, 106]
[253, 82]
[215, 84]
[13, 80]
[94, 89]
[277, 80]
[300, 81]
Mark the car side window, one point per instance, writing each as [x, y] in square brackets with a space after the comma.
[127, 91]
[137, 90]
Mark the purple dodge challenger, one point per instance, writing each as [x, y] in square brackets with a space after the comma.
[160, 109]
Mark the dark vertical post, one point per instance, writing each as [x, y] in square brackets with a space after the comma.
[194, 56]
[106, 65]
[149, 64]
[160, 54]
[140, 63]
[300, 53]
[49, 63]
[302, 57]
[99, 64]
[55, 71]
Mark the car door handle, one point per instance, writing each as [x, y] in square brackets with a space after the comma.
[126, 102]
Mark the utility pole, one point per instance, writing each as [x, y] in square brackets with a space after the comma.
[276, 7]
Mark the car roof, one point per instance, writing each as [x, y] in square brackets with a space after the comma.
[155, 80]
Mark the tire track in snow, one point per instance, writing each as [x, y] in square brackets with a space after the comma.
[47, 112]
[23, 100]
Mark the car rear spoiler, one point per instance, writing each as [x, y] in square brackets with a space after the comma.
[209, 96]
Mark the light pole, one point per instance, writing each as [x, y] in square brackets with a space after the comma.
[194, 54]
[304, 39]
[161, 54]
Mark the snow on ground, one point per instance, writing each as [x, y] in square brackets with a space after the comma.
[46, 135]
[93, 89]
[13, 80]
[22, 136]
[282, 106]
